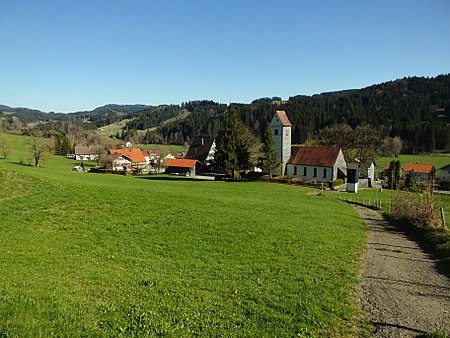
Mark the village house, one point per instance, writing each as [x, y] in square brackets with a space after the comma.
[181, 166]
[128, 159]
[152, 157]
[83, 153]
[422, 172]
[445, 173]
[321, 164]
[168, 157]
[365, 172]
[202, 149]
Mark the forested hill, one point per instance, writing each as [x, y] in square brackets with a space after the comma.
[99, 116]
[416, 109]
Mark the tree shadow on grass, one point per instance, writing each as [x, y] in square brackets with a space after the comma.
[21, 163]
[168, 178]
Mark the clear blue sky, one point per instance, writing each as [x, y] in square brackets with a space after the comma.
[64, 55]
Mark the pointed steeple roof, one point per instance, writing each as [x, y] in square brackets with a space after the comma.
[283, 118]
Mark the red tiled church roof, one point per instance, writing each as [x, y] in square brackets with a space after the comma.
[419, 168]
[317, 156]
[181, 162]
[283, 118]
[134, 154]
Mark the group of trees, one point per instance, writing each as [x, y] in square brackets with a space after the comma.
[361, 143]
[233, 146]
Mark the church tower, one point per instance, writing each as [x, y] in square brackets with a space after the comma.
[281, 132]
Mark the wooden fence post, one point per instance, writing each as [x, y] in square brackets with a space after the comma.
[442, 217]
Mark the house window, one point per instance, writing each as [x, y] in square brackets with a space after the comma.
[276, 132]
[304, 171]
[324, 173]
[315, 172]
[295, 170]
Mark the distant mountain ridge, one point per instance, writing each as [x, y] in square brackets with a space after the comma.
[415, 108]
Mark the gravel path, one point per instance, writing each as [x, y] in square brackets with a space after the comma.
[402, 292]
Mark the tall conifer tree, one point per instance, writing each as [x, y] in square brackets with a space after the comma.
[232, 146]
[269, 159]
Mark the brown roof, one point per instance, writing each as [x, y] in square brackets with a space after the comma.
[150, 152]
[81, 149]
[419, 168]
[283, 118]
[181, 163]
[318, 156]
[199, 148]
[134, 154]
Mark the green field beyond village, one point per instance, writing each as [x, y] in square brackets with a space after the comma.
[107, 255]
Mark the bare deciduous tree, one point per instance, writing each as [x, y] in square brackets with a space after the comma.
[5, 146]
[392, 146]
[38, 149]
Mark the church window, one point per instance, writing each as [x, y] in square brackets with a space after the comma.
[324, 173]
[304, 171]
[276, 131]
[295, 170]
[315, 172]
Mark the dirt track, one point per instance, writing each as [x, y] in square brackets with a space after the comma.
[402, 292]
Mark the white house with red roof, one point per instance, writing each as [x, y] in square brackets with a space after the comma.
[128, 159]
[321, 164]
[445, 173]
[152, 156]
[421, 171]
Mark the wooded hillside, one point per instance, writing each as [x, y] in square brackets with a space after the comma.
[415, 109]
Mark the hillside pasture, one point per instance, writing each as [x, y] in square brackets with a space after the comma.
[438, 160]
[107, 255]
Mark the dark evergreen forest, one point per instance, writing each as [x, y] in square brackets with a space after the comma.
[415, 109]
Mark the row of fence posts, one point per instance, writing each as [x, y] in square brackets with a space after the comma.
[370, 202]
[374, 203]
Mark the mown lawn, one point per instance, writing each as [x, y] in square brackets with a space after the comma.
[106, 255]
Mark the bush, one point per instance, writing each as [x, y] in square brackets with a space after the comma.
[296, 180]
[416, 209]
[444, 185]
[338, 182]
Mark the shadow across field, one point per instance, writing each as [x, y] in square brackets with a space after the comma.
[21, 163]
[167, 178]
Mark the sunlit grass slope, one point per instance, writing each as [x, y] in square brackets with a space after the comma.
[106, 255]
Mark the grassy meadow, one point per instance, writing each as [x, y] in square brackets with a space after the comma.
[112, 256]
[438, 160]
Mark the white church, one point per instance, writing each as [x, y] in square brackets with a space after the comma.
[321, 164]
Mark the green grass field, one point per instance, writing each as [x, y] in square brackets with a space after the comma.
[112, 256]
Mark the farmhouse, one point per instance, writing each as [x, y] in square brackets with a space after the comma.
[128, 159]
[202, 149]
[320, 164]
[422, 172]
[181, 166]
[83, 153]
[445, 173]
[366, 170]
[151, 156]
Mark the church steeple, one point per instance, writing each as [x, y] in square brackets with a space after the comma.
[281, 132]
